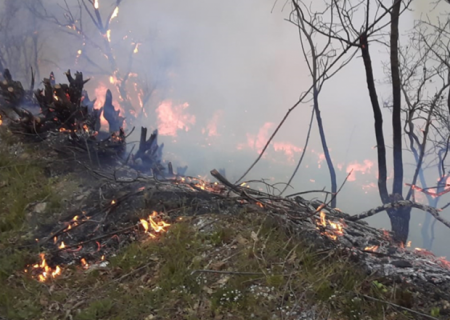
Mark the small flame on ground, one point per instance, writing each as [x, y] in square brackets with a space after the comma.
[84, 263]
[62, 245]
[44, 270]
[96, 5]
[372, 248]
[152, 226]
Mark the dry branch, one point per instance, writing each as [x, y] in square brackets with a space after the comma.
[402, 203]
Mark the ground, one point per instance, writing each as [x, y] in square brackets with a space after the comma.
[218, 265]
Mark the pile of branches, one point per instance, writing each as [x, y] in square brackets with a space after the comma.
[65, 110]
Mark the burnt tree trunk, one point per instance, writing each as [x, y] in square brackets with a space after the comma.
[378, 117]
[400, 217]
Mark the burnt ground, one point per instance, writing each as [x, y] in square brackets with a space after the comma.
[216, 253]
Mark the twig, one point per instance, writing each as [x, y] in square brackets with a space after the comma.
[309, 191]
[334, 195]
[398, 306]
[303, 153]
[133, 272]
[95, 239]
[229, 272]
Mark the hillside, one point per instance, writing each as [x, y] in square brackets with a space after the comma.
[210, 255]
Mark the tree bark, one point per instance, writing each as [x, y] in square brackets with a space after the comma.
[396, 108]
[399, 217]
[326, 152]
[378, 117]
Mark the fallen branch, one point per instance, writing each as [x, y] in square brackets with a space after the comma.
[403, 203]
[229, 272]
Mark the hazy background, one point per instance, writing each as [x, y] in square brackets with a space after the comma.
[239, 67]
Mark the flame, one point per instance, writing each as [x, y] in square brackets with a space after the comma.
[96, 4]
[154, 226]
[371, 248]
[113, 202]
[323, 221]
[84, 263]
[212, 125]
[368, 187]
[363, 168]
[55, 239]
[259, 141]
[289, 149]
[136, 47]
[62, 245]
[108, 35]
[114, 14]
[44, 270]
[1, 121]
[100, 93]
[336, 227]
[172, 118]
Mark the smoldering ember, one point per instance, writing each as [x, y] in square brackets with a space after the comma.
[96, 225]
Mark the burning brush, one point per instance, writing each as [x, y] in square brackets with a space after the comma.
[329, 228]
[43, 271]
[154, 224]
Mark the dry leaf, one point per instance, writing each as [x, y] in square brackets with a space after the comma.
[241, 240]
[217, 265]
[292, 258]
[208, 290]
[222, 281]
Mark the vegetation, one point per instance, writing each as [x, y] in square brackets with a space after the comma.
[208, 267]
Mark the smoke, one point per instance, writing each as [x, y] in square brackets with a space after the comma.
[226, 73]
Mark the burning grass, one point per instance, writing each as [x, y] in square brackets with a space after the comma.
[210, 262]
[207, 268]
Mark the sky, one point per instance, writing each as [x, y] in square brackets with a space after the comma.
[227, 72]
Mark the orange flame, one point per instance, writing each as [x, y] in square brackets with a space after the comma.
[336, 227]
[172, 118]
[157, 227]
[371, 248]
[45, 271]
[62, 245]
[84, 263]
[114, 14]
[355, 167]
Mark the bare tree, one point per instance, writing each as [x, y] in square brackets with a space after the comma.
[318, 58]
[20, 40]
[90, 23]
[425, 75]
[340, 26]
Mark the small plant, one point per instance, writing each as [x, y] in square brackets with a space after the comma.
[435, 312]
